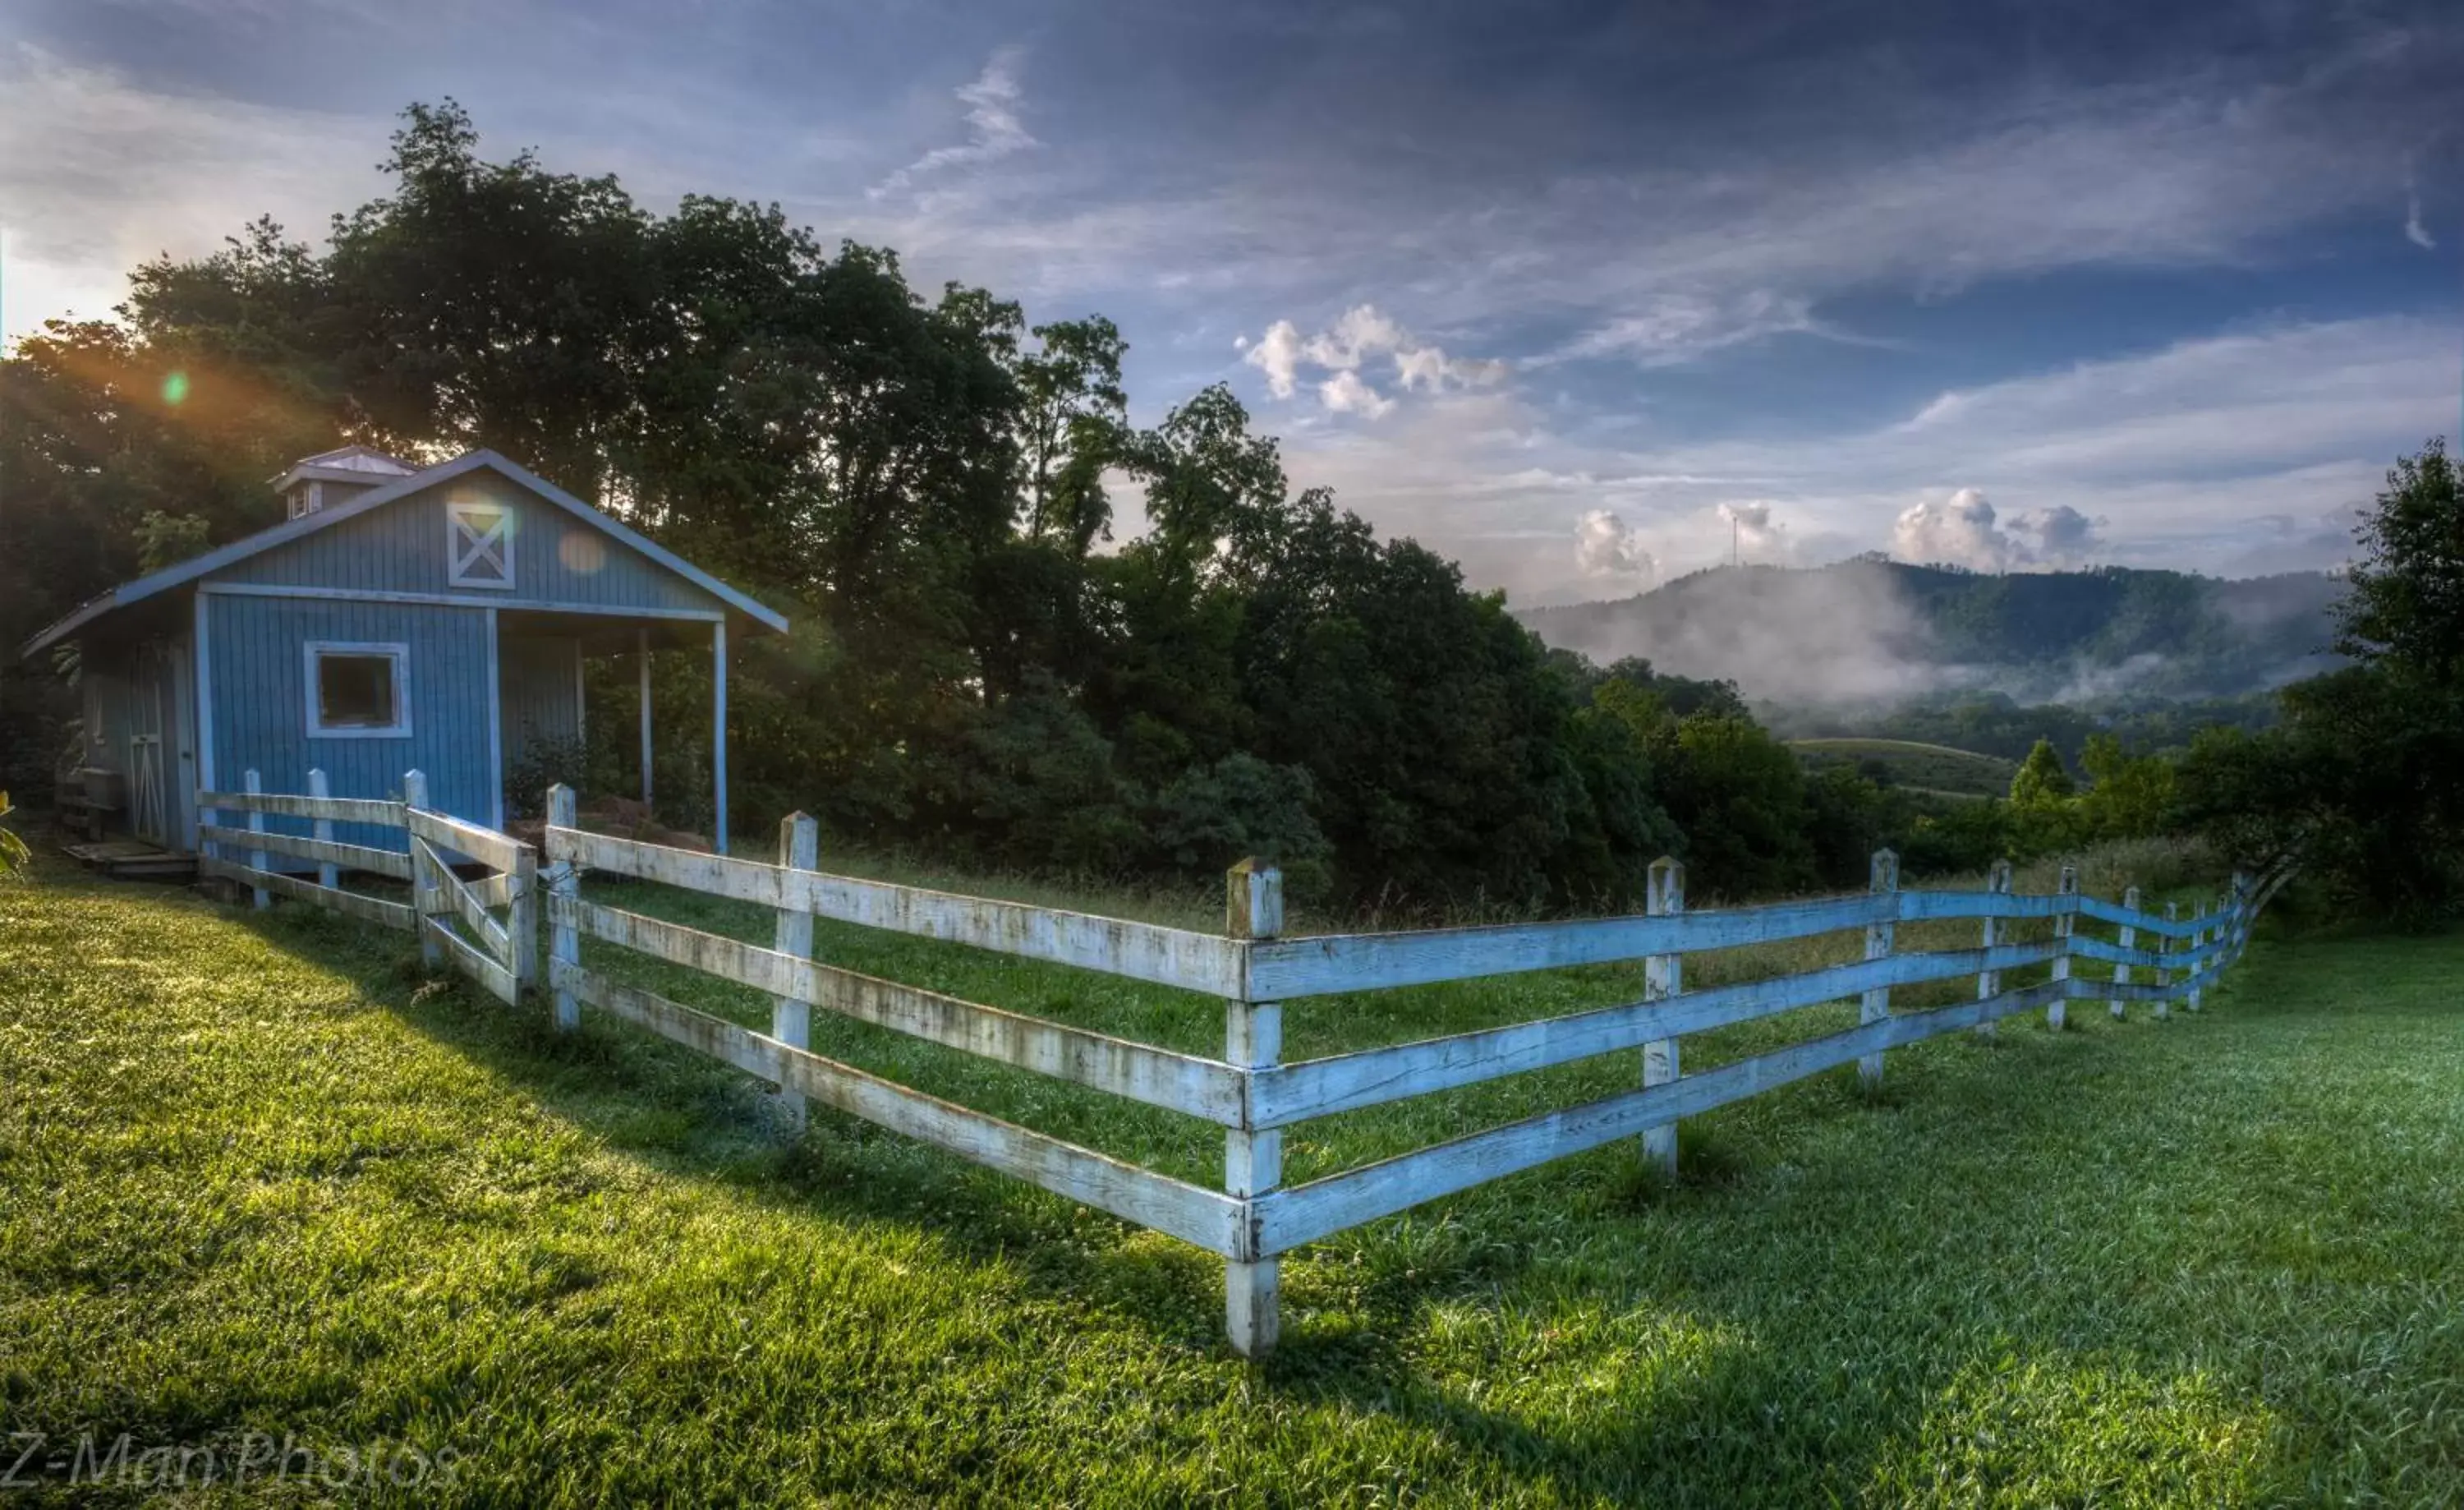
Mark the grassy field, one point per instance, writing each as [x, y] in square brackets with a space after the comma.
[1926, 768]
[263, 1181]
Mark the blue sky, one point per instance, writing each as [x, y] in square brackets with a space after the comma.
[1573, 293]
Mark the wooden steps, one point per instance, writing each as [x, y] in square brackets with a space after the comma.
[134, 859]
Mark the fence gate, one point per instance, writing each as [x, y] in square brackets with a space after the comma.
[488, 927]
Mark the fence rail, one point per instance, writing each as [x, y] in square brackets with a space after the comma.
[1141, 951]
[1250, 1093]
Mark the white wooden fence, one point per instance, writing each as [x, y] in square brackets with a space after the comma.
[1251, 1092]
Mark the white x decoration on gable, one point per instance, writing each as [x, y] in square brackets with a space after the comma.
[479, 545]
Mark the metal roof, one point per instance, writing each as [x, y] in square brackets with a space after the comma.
[129, 593]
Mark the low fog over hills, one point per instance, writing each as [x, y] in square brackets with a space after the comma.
[1871, 631]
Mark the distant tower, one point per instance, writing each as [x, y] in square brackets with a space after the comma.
[1735, 554]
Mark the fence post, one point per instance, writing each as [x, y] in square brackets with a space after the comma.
[256, 825]
[2198, 937]
[2058, 1014]
[328, 875]
[522, 919]
[1880, 939]
[1663, 975]
[2129, 939]
[1989, 982]
[1253, 1161]
[563, 938]
[414, 795]
[2165, 972]
[791, 1021]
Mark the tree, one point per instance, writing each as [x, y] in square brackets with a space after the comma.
[1740, 797]
[2043, 779]
[2129, 797]
[1074, 422]
[2365, 780]
[2404, 611]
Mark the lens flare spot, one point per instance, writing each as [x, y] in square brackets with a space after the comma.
[175, 389]
[581, 553]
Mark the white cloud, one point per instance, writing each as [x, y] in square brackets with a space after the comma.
[1361, 332]
[2414, 231]
[1277, 354]
[1607, 547]
[1964, 530]
[1958, 531]
[2057, 536]
[1753, 534]
[1345, 393]
[2287, 542]
[1346, 347]
[97, 174]
[2238, 400]
[994, 130]
[2167, 457]
[1681, 326]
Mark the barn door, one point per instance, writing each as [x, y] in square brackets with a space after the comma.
[149, 808]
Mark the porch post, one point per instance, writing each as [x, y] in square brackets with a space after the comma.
[495, 728]
[719, 735]
[642, 657]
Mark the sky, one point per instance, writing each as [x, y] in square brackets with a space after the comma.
[1582, 296]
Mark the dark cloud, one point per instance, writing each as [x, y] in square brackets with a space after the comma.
[1503, 272]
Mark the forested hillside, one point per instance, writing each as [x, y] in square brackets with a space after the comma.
[1873, 631]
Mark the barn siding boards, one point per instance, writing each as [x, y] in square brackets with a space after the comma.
[558, 559]
[538, 697]
[262, 704]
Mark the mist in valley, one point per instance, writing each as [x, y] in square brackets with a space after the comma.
[1868, 633]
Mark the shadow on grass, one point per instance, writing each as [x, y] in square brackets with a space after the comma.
[1722, 1308]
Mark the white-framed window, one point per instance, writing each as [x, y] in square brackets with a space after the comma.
[357, 690]
[479, 545]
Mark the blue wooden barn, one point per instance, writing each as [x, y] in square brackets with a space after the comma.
[402, 618]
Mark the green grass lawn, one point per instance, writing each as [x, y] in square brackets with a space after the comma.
[260, 1178]
[1925, 767]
